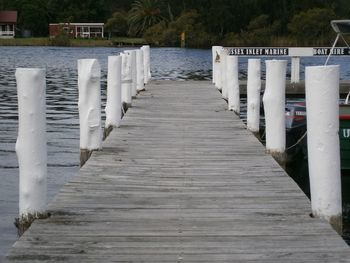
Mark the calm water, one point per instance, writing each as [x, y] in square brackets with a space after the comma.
[62, 112]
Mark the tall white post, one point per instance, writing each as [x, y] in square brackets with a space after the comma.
[113, 105]
[223, 56]
[132, 54]
[253, 95]
[140, 70]
[31, 146]
[322, 104]
[218, 69]
[147, 60]
[89, 75]
[274, 106]
[126, 79]
[232, 83]
[215, 62]
[295, 70]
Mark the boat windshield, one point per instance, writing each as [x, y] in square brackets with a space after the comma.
[341, 26]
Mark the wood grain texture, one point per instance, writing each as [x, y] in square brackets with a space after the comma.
[181, 180]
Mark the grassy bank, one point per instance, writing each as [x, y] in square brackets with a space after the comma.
[38, 41]
[45, 41]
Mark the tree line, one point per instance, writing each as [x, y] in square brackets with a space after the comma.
[205, 22]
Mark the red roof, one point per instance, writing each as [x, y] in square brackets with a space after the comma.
[8, 17]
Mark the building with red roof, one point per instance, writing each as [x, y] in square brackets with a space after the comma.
[8, 21]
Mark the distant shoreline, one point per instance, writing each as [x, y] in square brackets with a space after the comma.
[45, 41]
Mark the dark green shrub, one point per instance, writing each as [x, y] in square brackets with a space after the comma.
[62, 39]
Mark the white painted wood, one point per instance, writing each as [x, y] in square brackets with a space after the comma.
[274, 105]
[147, 62]
[218, 67]
[253, 94]
[295, 70]
[232, 83]
[140, 70]
[132, 54]
[215, 62]
[31, 146]
[114, 88]
[89, 75]
[126, 78]
[322, 96]
[223, 56]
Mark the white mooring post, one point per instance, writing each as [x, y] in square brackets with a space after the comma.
[132, 54]
[114, 89]
[322, 104]
[126, 80]
[232, 83]
[140, 71]
[218, 83]
[215, 62]
[31, 145]
[274, 107]
[89, 75]
[223, 56]
[253, 95]
[147, 60]
[295, 70]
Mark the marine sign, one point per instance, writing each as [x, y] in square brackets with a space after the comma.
[287, 51]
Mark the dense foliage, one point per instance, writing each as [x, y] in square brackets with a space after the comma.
[205, 22]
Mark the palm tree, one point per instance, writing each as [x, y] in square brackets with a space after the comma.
[144, 14]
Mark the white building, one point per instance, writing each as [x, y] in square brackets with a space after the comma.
[8, 21]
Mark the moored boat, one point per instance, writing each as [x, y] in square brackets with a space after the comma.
[296, 131]
[344, 135]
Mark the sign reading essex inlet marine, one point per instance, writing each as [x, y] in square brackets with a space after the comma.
[286, 51]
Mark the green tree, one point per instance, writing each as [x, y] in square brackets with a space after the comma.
[117, 24]
[260, 31]
[144, 14]
[169, 34]
[61, 11]
[32, 16]
[312, 26]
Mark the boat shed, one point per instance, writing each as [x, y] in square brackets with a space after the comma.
[78, 30]
[8, 21]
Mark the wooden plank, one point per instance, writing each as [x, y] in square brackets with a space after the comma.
[181, 180]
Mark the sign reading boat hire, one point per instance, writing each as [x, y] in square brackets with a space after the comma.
[288, 51]
[338, 51]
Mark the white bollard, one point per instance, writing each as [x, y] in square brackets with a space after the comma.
[114, 102]
[322, 104]
[232, 83]
[147, 60]
[295, 70]
[89, 75]
[126, 79]
[274, 106]
[140, 70]
[31, 145]
[132, 54]
[215, 62]
[253, 95]
[218, 75]
[223, 56]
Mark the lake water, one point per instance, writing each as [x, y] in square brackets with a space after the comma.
[62, 112]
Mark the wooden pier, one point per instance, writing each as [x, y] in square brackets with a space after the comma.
[181, 180]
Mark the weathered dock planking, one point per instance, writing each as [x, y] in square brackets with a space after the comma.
[181, 180]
